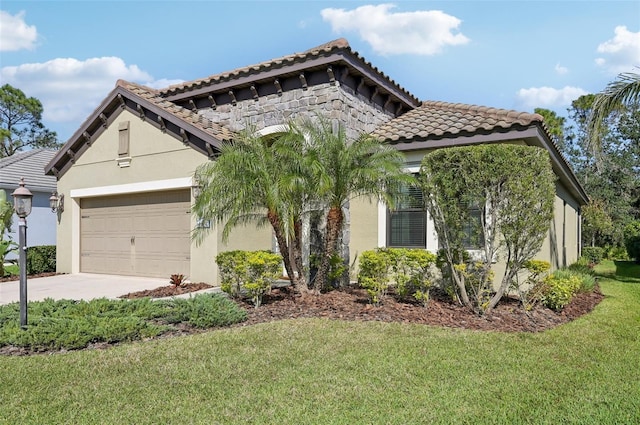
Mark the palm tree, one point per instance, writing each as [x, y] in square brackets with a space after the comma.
[342, 171]
[624, 91]
[256, 180]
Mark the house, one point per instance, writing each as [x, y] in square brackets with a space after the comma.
[126, 173]
[41, 223]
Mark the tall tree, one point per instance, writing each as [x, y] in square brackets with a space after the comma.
[611, 176]
[345, 169]
[21, 123]
[555, 124]
[620, 93]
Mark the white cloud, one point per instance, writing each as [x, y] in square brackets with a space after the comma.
[424, 32]
[561, 70]
[622, 51]
[15, 34]
[70, 89]
[548, 97]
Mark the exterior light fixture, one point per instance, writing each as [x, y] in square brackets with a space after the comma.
[56, 202]
[22, 201]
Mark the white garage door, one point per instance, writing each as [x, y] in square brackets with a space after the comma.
[144, 234]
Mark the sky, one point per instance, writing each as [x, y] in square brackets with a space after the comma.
[504, 54]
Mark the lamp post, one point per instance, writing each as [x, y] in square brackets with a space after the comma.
[22, 205]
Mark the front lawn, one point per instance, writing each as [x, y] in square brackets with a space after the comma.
[318, 371]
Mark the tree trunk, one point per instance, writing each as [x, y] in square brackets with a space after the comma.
[335, 218]
[281, 239]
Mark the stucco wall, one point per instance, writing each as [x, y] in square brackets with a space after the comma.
[158, 161]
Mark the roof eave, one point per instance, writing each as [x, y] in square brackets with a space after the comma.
[121, 99]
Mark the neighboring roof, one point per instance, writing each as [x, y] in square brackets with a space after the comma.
[331, 53]
[30, 165]
[432, 120]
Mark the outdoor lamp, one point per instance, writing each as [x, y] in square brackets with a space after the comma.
[56, 202]
[22, 204]
[22, 200]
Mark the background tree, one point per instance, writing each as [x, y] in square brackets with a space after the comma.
[612, 177]
[623, 93]
[21, 123]
[555, 124]
[514, 190]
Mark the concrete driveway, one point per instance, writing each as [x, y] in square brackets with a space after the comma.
[81, 286]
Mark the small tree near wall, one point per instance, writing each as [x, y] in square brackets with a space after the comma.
[513, 187]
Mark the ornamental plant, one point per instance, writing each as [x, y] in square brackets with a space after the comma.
[248, 273]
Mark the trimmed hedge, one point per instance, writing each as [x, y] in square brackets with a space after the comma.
[594, 254]
[41, 259]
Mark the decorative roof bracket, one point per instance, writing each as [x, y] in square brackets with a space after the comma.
[254, 91]
[72, 156]
[399, 109]
[387, 102]
[213, 102]
[233, 97]
[374, 94]
[184, 135]
[276, 83]
[210, 151]
[303, 81]
[121, 100]
[87, 137]
[332, 77]
[194, 108]
[360, 85]
[140, 112]
[103, 118]
[163, 126]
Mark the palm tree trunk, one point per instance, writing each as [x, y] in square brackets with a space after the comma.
[285, 251]
[335, 218]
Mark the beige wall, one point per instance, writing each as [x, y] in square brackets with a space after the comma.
[158, 162]
[363, 227]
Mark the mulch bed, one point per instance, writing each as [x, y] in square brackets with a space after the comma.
[31, 276]
[353, 304]
[167, 291]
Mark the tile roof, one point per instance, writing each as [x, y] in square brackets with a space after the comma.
[151, 95]
[442, 119]
[326, 49]
[30, 165]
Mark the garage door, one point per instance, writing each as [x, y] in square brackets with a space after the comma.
[143, 234]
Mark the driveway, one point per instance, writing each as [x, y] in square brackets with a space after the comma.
[81, 286]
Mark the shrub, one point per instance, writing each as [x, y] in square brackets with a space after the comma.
[530, 291]
[616, 253]
[411, 272]
[248, 273]
[594, 254]
[203, 311]
[558, 289]
[41, 259]
[632, 239]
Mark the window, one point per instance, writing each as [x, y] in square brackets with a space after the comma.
[407, 224]
[473, 237]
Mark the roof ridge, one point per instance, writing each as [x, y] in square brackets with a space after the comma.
[339, 43]
[485, 110]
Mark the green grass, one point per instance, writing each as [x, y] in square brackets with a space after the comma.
[332, 372]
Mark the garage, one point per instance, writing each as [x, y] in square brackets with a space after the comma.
[143, 234]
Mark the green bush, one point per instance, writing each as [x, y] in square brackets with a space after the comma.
[558, 290]
[632, 239]
[248, 273]
[594, 254]
[68, 324]
[411, 272]
[41, 259]
[530, 291]
[616, 253]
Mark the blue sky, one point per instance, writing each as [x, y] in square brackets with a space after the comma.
[505, 54]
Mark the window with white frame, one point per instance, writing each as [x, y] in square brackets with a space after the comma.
[407, 224]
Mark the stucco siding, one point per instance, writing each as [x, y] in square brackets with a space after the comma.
[364, 227]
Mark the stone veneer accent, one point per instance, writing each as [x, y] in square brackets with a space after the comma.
[331, 100]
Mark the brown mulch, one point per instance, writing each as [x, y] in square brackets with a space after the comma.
[352, 304]
[167, 291]
[31, 276]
